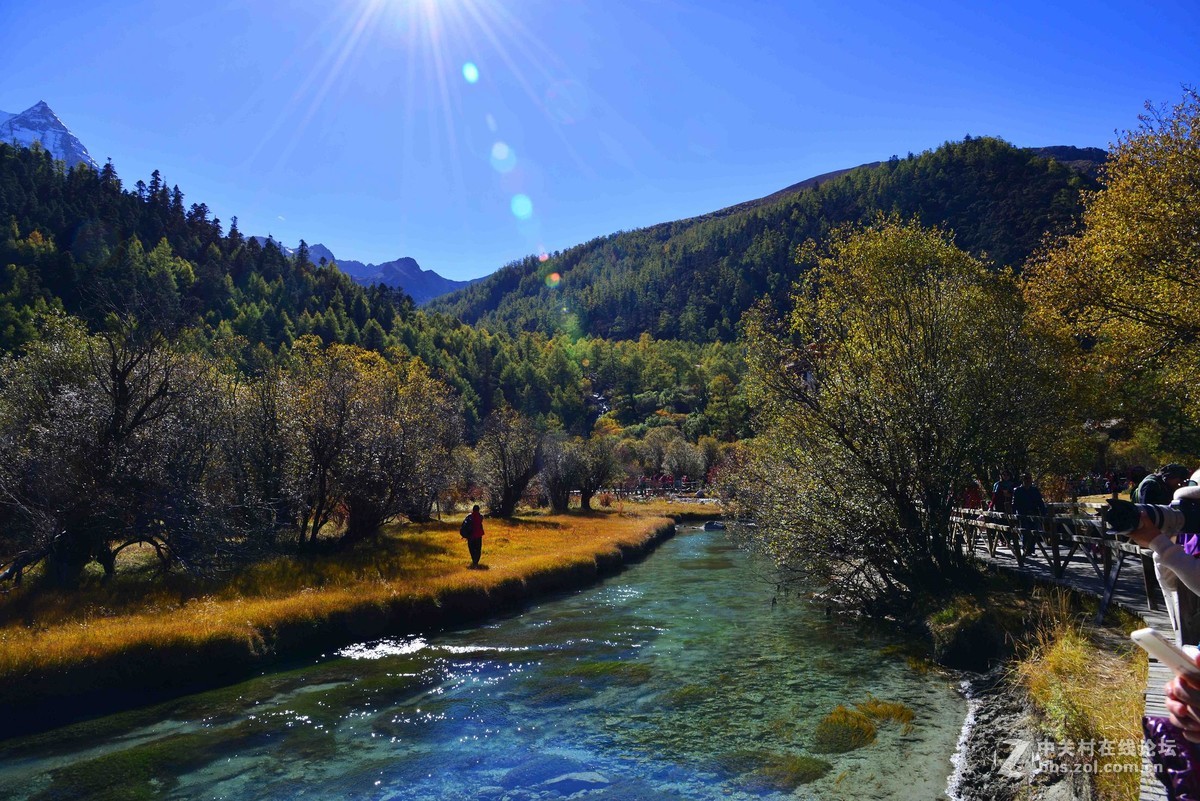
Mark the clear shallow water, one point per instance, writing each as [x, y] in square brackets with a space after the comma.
[647, 684]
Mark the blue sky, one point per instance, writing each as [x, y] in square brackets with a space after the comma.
[353, 122]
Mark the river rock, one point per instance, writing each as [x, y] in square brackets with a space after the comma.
[570, 783]
[539, 770]
[633, 791]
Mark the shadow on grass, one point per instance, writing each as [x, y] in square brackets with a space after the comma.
[528, 522]
[401, 553]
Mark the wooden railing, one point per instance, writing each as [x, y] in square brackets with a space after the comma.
[1073, 531]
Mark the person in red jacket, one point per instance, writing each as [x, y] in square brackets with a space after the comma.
[475, 536]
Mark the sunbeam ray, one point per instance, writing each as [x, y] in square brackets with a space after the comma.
[369, 11]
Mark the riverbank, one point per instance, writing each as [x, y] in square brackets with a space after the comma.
[1000, 720]
[64, 657]
[1066, 683]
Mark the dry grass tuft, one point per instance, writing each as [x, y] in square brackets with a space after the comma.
[843, 730]
[1086, 692]
[766, 771]
[895, 711]
[677, 508]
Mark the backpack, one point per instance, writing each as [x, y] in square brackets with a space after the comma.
[465, 529]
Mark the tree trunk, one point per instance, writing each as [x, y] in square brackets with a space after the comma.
[107, 560]
[66, 560]
[560, 501]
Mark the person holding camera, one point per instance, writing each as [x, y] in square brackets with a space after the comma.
[1156, 527]
[1171, 561]
[1153, 526]
[1159, 487]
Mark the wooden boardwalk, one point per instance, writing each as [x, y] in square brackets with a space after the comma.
[1128, 588]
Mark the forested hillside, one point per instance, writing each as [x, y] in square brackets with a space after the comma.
[76, 241]
[693, 279]
[167, 383]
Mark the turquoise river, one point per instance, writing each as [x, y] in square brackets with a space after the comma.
[684, 677]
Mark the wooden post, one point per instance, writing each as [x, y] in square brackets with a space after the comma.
[1153, 591]
[1112, 572]
[1051, 534]
[1014, 542]
[1189, 617]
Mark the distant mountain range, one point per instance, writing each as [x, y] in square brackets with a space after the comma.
[39, 123]
[692, 279]
[402, 273]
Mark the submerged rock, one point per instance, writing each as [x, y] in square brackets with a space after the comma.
[570, 783]
[539, 770]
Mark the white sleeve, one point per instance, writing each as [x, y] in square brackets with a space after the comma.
[1175, 561]
[1166, 577]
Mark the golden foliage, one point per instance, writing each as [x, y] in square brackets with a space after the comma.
[894, 711]
[1128, 279]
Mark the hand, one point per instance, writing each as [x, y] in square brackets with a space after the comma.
[1145, 531]
[1183, 702]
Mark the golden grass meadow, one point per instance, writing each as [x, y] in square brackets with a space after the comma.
[412, 576]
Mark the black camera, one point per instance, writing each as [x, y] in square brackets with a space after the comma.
[1183, 514]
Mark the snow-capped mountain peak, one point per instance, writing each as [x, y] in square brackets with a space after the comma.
[39, 123]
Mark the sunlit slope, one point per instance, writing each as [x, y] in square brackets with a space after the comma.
[693, 279]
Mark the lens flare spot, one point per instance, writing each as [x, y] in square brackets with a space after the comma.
[491, 123]
[543, 256]
[470, 72]
[503, 158]
[553, 280]
[522, 207]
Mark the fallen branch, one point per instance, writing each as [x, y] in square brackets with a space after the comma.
[23, 560]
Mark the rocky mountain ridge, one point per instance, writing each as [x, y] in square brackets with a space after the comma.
[39, 123]
[402, 273]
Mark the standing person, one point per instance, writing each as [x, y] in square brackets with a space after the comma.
[1028, 504]
[1002, 494]
[971, 496]
[1159, 488]
[475, 535]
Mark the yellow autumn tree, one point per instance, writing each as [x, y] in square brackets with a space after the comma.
[904, 368]
[1127, 285]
